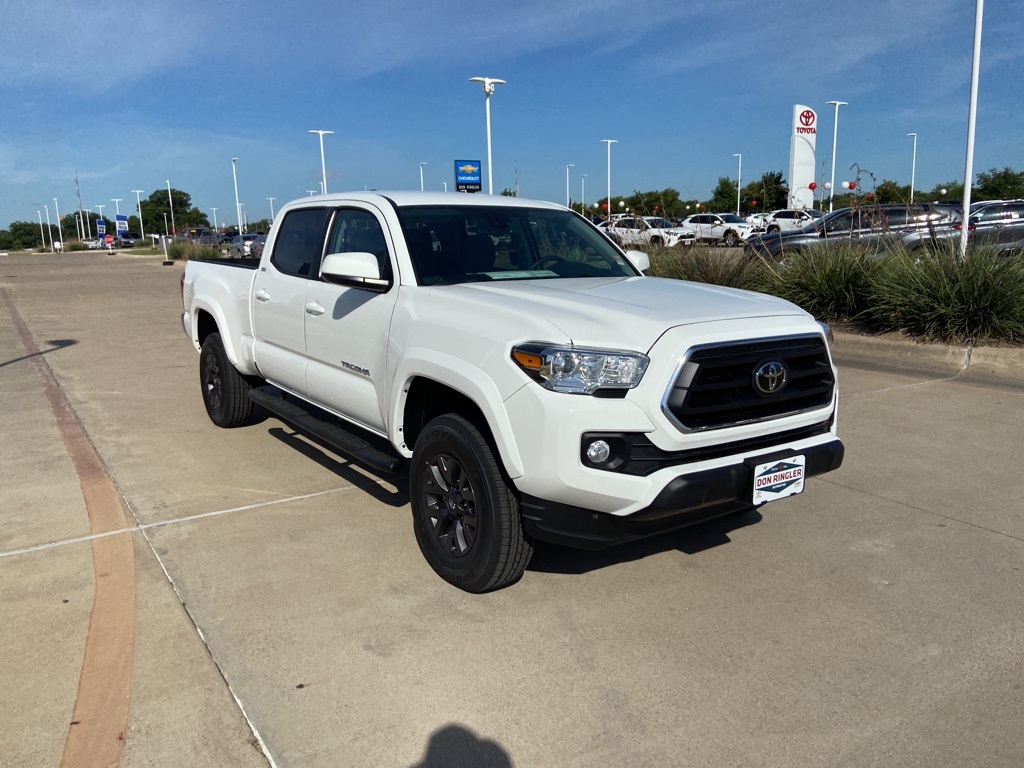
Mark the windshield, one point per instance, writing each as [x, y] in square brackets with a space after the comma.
[457, 244]
[659, 223]
[732, 218]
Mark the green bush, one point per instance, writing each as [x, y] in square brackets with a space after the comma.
[939, 297]
[180, 251]
[834, 285]
[703, 264]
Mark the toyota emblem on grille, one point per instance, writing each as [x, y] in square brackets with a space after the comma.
[770, 377]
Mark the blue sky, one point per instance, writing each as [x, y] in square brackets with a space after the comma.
[131, 94]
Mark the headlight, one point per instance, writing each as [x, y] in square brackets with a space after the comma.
[580, 371]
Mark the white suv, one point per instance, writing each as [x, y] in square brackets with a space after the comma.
[647, 232]
[791, 218]
[725, 228]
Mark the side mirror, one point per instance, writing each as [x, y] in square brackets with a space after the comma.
[357, 269]
[640, 260]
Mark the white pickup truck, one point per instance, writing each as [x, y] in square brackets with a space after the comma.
[522, 369]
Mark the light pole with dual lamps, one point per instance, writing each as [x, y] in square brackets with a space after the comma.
[739, 180]
[609, 142]
[138, 207]
[271, 200]
[913, 167]
[568, 199]
[215, 227]
[488, 84]
[835, 136]
[583, 194]
[421, 175]
[323, 164]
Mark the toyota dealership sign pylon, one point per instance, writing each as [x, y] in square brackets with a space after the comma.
[801, 157]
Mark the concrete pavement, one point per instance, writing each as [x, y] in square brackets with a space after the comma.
[283, 615]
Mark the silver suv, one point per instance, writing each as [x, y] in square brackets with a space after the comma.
[879, 227]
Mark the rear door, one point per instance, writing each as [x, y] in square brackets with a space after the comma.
[279, 297]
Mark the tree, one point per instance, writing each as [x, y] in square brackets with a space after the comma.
[723, 198]
[22, 235]
[185, 215]
[769, 193]
[888, 191]
[1006, 184]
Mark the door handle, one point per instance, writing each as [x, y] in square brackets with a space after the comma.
[262, 295]
[314, 308]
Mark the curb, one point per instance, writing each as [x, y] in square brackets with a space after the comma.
[996, 365]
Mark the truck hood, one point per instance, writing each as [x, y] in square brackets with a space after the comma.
[625, 313]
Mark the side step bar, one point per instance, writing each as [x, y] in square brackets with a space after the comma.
[346, 442]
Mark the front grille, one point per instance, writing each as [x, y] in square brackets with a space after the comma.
[715, 385]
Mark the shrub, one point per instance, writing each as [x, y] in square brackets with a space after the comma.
[704, 264]
[832, 284]
[940, 297]
[183, 251]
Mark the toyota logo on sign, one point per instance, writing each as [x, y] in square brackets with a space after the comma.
[807, 117]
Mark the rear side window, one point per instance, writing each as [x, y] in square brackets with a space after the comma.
[299, 243]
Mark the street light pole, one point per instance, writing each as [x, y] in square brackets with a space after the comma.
[138, 206]
[60, 234]
[421, 175]
[238, 207]
[42, 234]
[835, 135]
[913, 168]
[488, 86]
[583, 194]
[323, 164]
[972, 112]
[49, 230]
[271, 199]
[117, 205]
[609, 142]
[739, 181]
[568, 199]
[170, 201]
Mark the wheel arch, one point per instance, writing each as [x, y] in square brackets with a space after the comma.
[455, 387]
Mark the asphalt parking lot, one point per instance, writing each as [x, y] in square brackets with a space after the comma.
[172, 594]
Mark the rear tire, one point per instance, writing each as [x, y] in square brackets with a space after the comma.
[465, 512]
[225, 390]
[731, 240]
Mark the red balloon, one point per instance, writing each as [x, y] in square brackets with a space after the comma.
[812, 186]
[853, 185]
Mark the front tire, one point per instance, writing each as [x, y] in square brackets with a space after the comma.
[465, 513]
[731, 240]
[225, 390]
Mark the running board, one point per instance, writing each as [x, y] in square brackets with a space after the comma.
[346, 442]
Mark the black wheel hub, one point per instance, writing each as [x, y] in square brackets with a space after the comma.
[450, 504]
[212, 382]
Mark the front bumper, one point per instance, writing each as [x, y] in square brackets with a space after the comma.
[685, 500]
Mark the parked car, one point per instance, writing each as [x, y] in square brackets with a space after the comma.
[239, 247]
[880, 227]
[126, 240]
[720, 228]
[256, 246]
[647, 232]
[788, 219]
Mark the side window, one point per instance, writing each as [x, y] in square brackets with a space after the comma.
[784, 215]
[298, 245]
[356, 230]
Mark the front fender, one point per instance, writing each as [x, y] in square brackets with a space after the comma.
[467, 379]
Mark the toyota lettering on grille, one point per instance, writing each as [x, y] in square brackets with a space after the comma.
[770, 377]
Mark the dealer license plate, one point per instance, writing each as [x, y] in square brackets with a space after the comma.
[778, 479]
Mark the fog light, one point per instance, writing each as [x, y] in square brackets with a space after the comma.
[598, 451]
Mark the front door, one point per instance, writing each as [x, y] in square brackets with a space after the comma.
[347, 328]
